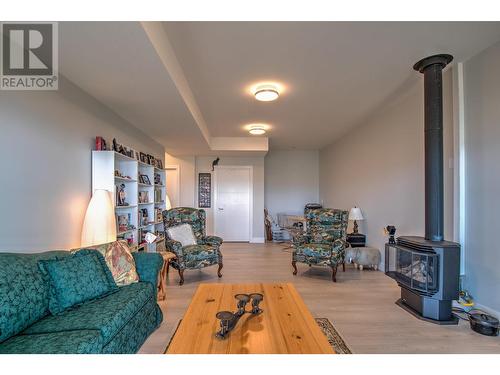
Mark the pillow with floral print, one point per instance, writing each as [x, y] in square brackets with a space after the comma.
[120, 262]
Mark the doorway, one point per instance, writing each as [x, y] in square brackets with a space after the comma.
[233, 192]
[173, 184]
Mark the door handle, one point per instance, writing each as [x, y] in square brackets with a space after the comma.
[221, 209]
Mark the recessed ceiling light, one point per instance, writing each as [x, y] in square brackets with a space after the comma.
[257, 130]
[266, 93]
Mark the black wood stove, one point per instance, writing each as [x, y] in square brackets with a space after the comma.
[428, 269]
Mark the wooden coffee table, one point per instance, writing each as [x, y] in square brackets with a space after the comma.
[285, 327]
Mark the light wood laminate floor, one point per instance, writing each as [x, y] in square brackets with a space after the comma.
[360, 305]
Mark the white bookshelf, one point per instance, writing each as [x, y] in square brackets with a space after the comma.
[135, 174]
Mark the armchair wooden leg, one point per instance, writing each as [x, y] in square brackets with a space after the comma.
[294, 265]
[168, 266]
[181, 275]
[218, 271]
[343, 266]
[334, 273]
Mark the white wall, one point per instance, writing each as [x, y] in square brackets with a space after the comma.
[187, 177]
[379, 167]
[482, 192]
[204, 164]
[291, 180]
[45, 163]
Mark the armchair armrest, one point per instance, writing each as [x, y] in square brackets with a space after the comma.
[148, 266]
[340, 244]
[338, 249]
[174, 247]
[301, 239]
[212, 240]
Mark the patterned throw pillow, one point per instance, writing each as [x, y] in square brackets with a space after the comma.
[121, 263]
[75, 279]
[182, 233]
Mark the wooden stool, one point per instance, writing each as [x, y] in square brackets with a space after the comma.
[162, 280]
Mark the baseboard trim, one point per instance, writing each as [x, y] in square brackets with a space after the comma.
[257, 240]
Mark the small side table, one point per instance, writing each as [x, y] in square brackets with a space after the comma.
[162, 280]
[356, 239]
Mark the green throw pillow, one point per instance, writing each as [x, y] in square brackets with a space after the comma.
[76, 279]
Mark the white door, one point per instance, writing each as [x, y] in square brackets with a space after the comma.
[172, 185]
[232, 205]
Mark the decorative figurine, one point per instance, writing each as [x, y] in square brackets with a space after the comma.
[390, 230]
[228, 320]
[215, 163]
[122, 196]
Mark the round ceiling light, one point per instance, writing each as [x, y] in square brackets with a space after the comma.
[266, 93]
[257, 130]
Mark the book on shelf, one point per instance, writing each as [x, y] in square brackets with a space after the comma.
[158, 197]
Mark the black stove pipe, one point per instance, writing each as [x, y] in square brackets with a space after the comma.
[432, 68]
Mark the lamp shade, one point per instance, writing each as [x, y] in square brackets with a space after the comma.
[99, 225]
[355, 214]
[168, 204]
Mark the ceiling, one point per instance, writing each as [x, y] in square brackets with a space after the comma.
[335, 74]
[116, 63]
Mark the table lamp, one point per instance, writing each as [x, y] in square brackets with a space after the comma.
[355, 214]
[99, 225]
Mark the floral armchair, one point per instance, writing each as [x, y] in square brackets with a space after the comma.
[207, 250]
[324, 242]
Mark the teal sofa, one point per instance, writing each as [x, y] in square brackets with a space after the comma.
[117, 323]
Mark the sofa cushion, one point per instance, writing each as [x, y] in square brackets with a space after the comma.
[131, 337]
[316, 250]
[108, 314]
[199, 252]
[24, 293]
[73, 342]
[199, 256]
[75, 279]
[182, 233]
[120, 261]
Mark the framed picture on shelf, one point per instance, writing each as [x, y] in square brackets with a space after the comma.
[204, 190]
[144, 179]
[158, 179]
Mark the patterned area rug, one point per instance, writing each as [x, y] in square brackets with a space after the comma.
[336, 341]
